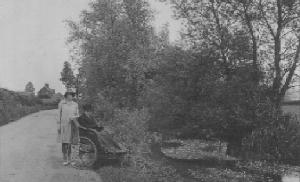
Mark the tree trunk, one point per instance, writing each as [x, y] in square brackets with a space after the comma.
[277, 79]
[255, 73]
[277, 57]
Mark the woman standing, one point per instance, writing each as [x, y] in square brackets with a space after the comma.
[68, 113]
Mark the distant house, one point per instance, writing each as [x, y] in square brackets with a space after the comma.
[46, 92]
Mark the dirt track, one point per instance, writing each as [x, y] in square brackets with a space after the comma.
[29, 152]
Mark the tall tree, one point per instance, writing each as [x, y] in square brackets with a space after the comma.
[30, 88]
[67, 76]
[114, 39]
[265, 33]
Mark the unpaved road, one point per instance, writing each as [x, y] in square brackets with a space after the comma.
[29, 152]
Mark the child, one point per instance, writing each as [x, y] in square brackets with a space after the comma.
[87, 120]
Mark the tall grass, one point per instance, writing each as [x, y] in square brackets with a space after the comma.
[280, 141]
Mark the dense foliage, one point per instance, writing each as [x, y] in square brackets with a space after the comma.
[224, 82]
[14, 105]
[115, 51]
[264, 34]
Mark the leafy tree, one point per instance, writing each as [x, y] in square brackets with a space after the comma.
[114, 41]
[254, 48]
[184, 82]
[265, 33]
[67, 76]
[30, 88]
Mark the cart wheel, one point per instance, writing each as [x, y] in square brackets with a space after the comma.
[88, 151]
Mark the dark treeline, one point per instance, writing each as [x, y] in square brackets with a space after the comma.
[224, 80]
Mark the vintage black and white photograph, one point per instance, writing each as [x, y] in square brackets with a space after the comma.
[149, 90]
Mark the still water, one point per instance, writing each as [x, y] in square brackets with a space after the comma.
[292, 95]
[293, 177]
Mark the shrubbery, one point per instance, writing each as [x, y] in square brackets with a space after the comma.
[14, 105]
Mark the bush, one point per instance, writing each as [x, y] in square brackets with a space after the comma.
[129, 126]
[182, 94]
[13, 105]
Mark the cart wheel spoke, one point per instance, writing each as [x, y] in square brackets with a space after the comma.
[87, 152]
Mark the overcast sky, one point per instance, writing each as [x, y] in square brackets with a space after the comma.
[33, 35]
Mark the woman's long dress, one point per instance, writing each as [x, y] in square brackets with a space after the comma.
[68, 111]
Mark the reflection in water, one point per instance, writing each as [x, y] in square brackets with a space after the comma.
[292, 94]
[293, 177]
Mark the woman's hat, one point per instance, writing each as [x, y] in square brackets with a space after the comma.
[70, 91]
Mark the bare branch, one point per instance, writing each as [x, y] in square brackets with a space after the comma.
[288, 32]
[289, 19]
[265, 19]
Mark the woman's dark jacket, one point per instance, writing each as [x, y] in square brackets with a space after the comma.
[88, 122]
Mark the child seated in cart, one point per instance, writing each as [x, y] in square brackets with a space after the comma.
[86, 120]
